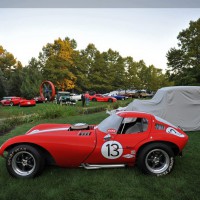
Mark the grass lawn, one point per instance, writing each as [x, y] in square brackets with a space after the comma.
[126, 183]
[8, 111]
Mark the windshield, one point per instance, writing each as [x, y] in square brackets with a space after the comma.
[111, 122]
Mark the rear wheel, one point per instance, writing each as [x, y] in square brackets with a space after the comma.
[110, 100]
[11, 103]
[24, 161]
[156, 159]
[94, 99]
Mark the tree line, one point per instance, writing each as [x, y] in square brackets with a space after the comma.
[91, 70]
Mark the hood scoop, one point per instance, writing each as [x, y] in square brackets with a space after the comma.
[85, 133]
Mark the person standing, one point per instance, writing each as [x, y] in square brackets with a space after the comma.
[87, 98]
[83, 99]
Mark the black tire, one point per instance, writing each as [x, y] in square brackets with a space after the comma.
[24, 161]
[156, 159]
[11, 103]
[110, 100]
[94, 99]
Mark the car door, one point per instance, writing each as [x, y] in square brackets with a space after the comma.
[7, 101]
[99, 97]
[118, 146]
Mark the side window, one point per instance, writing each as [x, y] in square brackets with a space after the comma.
[159, 127]
[133, 125]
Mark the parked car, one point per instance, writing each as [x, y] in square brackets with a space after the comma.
[39, 99]
[102, 98]
[119, 97]
[66, 99]
[25, 102]
[76, 97]
[10, 101]
[123, 139]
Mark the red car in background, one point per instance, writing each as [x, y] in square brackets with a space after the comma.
[102, 98]
[11, 101]
[39, 99]
[25, 102]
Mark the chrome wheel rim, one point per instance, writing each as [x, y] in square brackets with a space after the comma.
[23, 163]
[157, 161]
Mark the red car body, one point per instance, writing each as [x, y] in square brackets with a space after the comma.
[122, 139]
[10, 101]
[102, 98]
[25, 102]
[39, 99]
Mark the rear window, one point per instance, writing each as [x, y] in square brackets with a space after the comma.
[164, 121]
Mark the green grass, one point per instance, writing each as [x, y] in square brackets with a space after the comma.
[127, 183]
[11, 117]
[7, 111]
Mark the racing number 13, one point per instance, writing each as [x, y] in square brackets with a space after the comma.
[115, 150]
[111, 150]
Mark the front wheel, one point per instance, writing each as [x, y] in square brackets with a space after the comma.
[156, 159]
[110, 100]
[11, 103]
[24, 161]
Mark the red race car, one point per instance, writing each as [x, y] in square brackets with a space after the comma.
[122, 139]
[10, 101]
[26, 102]
[100, 97]
[39, 99]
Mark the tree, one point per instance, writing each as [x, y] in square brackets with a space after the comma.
[84, 62]
[2, 84]
[9, 68]
[113, 70]
[57, 61]
[7, 62]
[32, 78]
[184, 62]
[132, 80]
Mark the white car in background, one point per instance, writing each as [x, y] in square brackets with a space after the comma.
[76, 97]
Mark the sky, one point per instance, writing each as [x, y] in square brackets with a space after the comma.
[142, 33]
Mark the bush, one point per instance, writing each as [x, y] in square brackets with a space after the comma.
[51, 113]
[92, 110]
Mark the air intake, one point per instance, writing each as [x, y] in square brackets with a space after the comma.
[84, 133]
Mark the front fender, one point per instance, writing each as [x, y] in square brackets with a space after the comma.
[12, 141]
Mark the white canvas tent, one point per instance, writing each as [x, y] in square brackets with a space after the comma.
[179, 105]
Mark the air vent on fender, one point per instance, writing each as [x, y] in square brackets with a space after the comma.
[84, 133]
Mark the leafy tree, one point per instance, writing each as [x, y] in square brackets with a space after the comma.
[84, 63]
[184, 62]
[15, 81]
[57, 61]
[2, 84]
[99, 74]
[32, 78]
[7, 62]
[10, 68]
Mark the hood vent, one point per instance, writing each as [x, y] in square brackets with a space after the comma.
[84, 133]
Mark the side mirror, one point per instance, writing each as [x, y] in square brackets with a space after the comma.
[107, 137]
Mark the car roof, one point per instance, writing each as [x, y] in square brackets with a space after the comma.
[133, 113]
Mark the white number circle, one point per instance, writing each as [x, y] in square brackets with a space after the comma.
[112, 150]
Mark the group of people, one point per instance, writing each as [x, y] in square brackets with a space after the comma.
[85, 99]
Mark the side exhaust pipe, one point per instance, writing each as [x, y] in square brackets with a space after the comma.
[88, 166]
